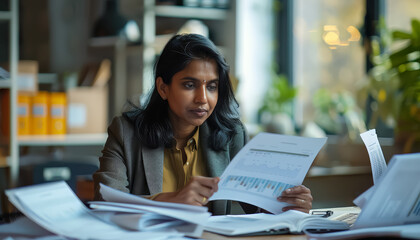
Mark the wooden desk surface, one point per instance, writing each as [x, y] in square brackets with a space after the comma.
[213, 236]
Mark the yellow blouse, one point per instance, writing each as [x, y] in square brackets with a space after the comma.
[176, 171]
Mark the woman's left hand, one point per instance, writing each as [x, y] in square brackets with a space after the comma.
[299, 197]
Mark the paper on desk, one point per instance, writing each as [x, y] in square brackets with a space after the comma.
[56, 208]
[23, 226]
[112, 195]
[395, 200]
[403, 231]
[377, 159]
[265, 166]
[193, 223]
[193, 218]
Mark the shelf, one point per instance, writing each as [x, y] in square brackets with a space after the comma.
[63, 140]
[5, 83]
[5, 15]
[191, 12]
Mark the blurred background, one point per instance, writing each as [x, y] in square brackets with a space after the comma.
[305, 67]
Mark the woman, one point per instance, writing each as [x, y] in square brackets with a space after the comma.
[174, 148]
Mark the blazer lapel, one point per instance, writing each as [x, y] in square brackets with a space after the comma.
[216, 161]
[153, 168]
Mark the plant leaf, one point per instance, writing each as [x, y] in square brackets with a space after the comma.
[397, 35]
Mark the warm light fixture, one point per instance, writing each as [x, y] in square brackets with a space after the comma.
[331, 36]
[354, 34]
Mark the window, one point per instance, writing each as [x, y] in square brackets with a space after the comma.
[328, 53]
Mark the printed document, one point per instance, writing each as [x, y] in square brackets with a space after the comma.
[377, 159]
[265, 167]
[377, 162]
[56, 208]
[145, 214]
[396, 199]
[393, 206]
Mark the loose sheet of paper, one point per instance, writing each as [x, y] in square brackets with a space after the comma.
[395, 200]
[267, 165]
[56, 208]
[113, 195]
[377, 159]
[194, 217]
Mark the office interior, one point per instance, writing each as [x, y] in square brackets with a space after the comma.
[299, 67]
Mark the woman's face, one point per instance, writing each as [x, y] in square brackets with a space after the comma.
[192, 94]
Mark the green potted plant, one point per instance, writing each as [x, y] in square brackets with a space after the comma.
[276, 111]
[337, 112]
[395, 85]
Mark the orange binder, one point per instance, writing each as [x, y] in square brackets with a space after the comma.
[39, 123]
[23, 114]
[57, 116]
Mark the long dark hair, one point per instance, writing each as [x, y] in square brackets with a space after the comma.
[151, 122]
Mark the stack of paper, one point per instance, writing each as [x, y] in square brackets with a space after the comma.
[137, 213]
[393, 206]
[55, 207]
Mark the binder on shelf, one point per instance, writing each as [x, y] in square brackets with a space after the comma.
[57, 113]
[39, 113]
[23, 114]
[4, 113]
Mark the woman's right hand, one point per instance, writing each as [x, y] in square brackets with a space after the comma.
[196, 192]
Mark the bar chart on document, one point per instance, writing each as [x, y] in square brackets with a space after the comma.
[266, 162]
[266, 166]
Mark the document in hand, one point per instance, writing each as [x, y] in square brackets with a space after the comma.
[56, 208]
[393, 208]
[138, 213]
[288, 222]
[265, 167]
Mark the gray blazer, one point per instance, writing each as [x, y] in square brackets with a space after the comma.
[128, 166]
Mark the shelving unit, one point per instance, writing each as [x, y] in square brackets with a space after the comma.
[12, 17]
[153, 43]
[191, 12]
[12, 141]
[62, 140]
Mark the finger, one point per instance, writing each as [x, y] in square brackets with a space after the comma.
[296, 190]
[207, 182]
[198, 190]
[295, 208]
[295, 201]
[202, 200]
[306, 197]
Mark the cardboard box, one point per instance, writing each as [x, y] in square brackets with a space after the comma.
[87, 109]
[27, 79]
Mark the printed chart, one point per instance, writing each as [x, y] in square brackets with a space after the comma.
[261, 186]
